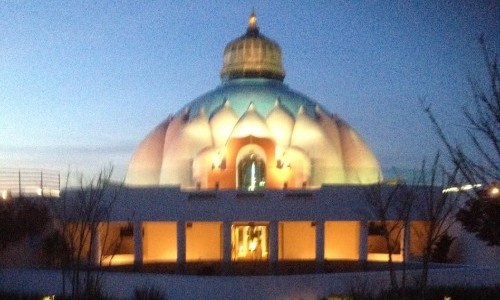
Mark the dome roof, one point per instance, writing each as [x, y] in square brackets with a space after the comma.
[252, 55]
[252, 113]
[262, 92]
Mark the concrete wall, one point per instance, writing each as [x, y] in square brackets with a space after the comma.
[314, 286]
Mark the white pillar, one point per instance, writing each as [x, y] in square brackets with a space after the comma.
[181, 246]
[273, 246]
[320, 245]
[95, 251]
[138, 252]
[363, 241]
[226, 246]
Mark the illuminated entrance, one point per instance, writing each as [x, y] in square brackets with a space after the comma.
[250, 242]
[252, 173]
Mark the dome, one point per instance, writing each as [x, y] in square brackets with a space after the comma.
[252, 55]
[252, 124]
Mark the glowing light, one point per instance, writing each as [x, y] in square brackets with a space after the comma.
[252, 21]
[253, 245]
[494, 191]
[253, 180]
[453, 189]
[218, 161]
[466, 187]
[384, 257]
[283, 162]
[118, 259]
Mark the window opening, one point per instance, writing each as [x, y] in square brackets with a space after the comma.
[252, 173]
[250, 242]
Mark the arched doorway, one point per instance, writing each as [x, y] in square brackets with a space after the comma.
[252, 173]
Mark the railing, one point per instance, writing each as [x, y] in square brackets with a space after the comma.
[29, 182]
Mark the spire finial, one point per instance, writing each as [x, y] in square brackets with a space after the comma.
[252, 22]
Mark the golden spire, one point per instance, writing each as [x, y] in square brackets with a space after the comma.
[252, 22]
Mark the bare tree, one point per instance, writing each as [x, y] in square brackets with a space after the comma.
[436, 208]
[481, 163]
[394, 206]
[391, 206]
[477, 157]
[80, 213]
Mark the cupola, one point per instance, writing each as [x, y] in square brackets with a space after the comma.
[252, 56]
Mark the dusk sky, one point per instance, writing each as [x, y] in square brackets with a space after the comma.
[83, 82]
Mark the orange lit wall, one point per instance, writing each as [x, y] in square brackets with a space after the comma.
[342, 240]
[418, 235]
[297, 240]
[203, 241]
[159, 241]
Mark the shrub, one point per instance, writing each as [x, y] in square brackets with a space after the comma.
[149, 293]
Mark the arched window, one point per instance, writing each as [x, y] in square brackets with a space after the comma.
[252, 173]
